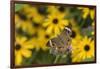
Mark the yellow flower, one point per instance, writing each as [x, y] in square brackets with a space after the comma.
[55, 23]
[24, 25]
[76, 36]
[33, 14]
[53, 8]
[22, 49]
[75, 33]
[73, 22]
[87, 11]
[75, 29]
[40, 39]
[57, 9]
[83, 49]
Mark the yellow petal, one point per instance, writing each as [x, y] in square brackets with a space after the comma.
[18, 59]
[64, 22]
[21, 40]
[92, 12]
[61, 27]
[46, 24]
[85, 12]
[49, 30]
[57, 31]
[26, 53]
[29, 46]
[75, 59]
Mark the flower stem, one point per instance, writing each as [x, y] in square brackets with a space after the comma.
[56, 59]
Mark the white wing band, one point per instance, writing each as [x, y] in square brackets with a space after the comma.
[68, 29]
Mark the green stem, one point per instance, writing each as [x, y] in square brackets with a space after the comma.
[56, 59]
[82, 23]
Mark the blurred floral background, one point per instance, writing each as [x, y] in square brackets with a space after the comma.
[35, 25]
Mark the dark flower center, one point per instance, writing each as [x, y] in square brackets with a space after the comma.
[42, 10]
[73, 34]
[22, 15]
[35, 35]
[61, 9]
[36, 25]
[18, 47]
[47, 36]
[87, 48]
[55, 21]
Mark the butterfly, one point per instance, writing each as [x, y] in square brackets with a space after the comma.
[62, 43]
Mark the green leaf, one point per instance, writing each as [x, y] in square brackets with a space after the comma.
[18, 7]
[28, 61]
[89, 59]
[44, 57]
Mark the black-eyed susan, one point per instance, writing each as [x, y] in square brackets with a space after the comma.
[75, 33]
[83, 49]
[58, 9]
[42, 10]
[22, 49]
[26, 25]
[40, 39]
[87, 11]
[53, 8]
[19, 22]
[55, 23]
[33, 13]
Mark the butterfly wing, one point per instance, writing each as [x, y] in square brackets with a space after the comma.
[60, 43]
[65, 37]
